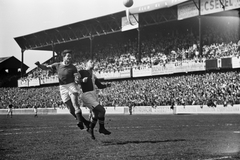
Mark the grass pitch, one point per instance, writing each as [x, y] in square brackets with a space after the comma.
[136, 137]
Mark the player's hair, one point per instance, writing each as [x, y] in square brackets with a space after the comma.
[89, 61]
[63, 54]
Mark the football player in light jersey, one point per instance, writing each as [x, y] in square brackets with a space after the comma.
[68, 75]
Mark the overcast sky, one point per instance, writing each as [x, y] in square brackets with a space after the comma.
[22, 17]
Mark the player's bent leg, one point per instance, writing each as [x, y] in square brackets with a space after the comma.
[78, 111]
[101, 117]
[67, 100]
[91, 127]
[71, 108]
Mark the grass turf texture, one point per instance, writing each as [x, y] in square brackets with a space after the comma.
[133, 137]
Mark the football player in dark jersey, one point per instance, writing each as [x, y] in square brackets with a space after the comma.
[90, 98]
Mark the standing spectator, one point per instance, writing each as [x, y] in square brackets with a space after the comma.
[9, 110]
[130, 107]
[35, 110]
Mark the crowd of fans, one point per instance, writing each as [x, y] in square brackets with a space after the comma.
[188, 89]
[44, 97]
[193, 89]
[158, 47]
[150, 55]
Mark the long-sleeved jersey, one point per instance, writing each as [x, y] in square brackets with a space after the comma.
[91, 81]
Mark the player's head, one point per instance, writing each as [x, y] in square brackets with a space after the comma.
[67, 56]
[90, 64]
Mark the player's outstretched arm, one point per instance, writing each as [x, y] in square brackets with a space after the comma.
[43, 67]
[100, 85]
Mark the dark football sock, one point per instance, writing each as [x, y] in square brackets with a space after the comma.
[79, 116]
[93, 123]
[101, 123]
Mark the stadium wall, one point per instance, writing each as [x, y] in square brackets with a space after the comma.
[161, 110]
[219, 109]
[30, 111]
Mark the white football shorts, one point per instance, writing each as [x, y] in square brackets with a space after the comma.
[90, 99]
[67, 89]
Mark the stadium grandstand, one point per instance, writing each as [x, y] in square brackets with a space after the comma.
[186, 54]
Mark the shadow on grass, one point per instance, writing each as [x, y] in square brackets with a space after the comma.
[108, 143]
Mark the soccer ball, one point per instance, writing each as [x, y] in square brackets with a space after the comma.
[128, 3]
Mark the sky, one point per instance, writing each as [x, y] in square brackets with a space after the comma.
[23, 17]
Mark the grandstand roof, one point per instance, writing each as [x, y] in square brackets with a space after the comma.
[69, 35]
[11, 63]
[66, 35]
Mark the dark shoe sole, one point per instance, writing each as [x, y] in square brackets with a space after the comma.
[105, 132]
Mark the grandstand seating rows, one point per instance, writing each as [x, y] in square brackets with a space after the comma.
[158, 47]
[187, 89]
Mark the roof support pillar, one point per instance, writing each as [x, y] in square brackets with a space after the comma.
[139, 41]
[198, 6]
[200, 27]
[239, 24]
[91, 45]
[22, 61]
[53, 50]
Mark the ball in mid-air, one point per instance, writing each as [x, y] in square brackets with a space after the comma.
[128, 3]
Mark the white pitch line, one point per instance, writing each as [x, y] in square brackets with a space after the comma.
[236, 131]
[16, 133]
[16, 129]
[217, 158]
